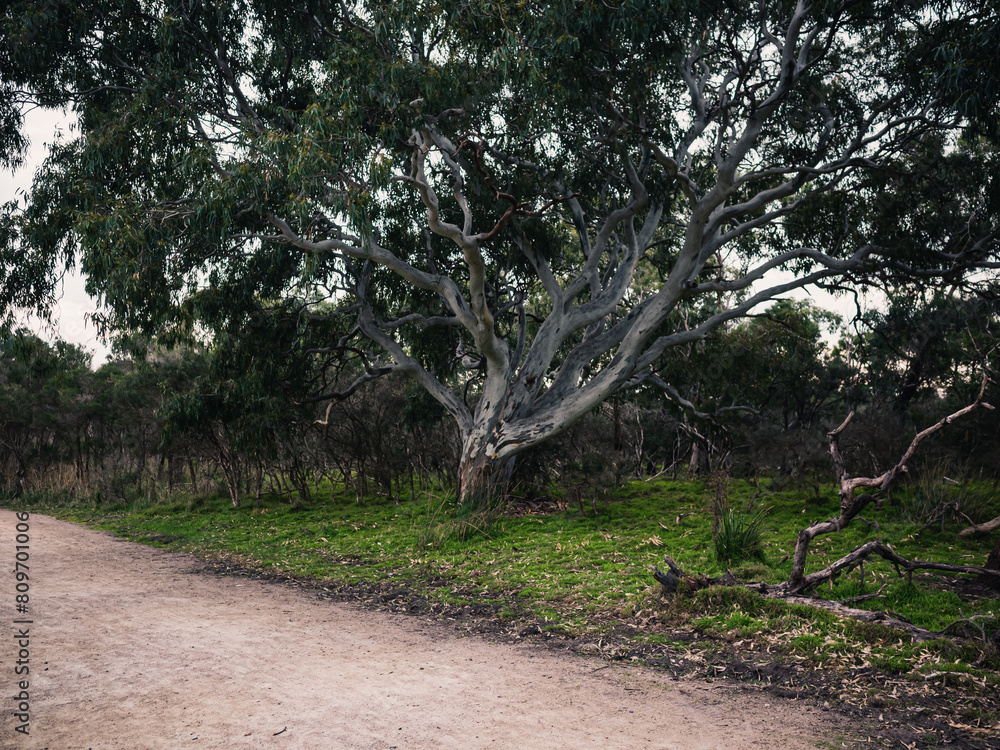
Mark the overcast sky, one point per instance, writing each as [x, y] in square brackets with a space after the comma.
[70, 317]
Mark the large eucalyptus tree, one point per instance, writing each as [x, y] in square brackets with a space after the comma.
[521, 205]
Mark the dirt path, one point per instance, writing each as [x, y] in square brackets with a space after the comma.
[131, 648]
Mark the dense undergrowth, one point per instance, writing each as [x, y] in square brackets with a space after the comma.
[586, 577]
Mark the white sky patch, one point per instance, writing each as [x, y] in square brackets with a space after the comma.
[72, 311]
[845, 305]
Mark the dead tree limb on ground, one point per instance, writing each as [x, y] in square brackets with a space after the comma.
[851, 560]
[674, 579]
[852, 504]
[981, 528]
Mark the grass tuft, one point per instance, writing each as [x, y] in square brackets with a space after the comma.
[740, 538]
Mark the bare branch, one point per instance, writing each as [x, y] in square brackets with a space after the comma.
[851, 504]
[981, 528]
[886, 552]
[334, 396]
[685, 404]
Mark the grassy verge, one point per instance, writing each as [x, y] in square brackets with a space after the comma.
[585, 581]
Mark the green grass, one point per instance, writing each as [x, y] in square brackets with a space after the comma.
[588, 576]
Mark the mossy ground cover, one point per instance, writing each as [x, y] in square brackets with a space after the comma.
[584, 581]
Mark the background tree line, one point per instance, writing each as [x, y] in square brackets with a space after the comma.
[224, 418]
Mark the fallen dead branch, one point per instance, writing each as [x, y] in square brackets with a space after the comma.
[674, 578]
[981, 528]
[850, 560]
[970, 621]
[851, 504]
[865, 597]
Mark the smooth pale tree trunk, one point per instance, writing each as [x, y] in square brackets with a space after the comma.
[695, 460]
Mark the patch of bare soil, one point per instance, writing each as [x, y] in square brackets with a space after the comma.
[134, 647]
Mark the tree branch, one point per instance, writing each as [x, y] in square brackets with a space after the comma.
[850, 504]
